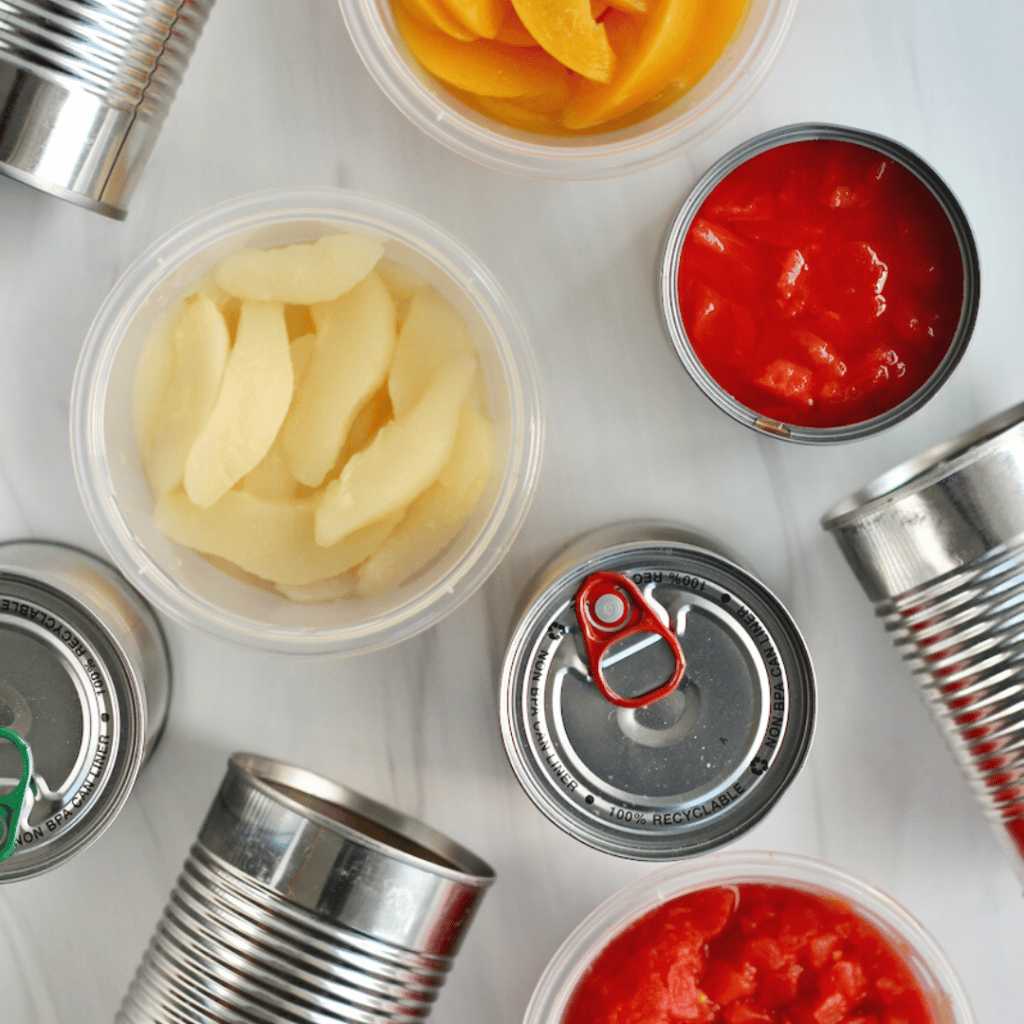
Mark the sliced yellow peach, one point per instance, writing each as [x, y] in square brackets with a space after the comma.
[516, 114]
[270, 539]
[318, 271]
[651, 52]
[250, 408]
[437, 15]
[629, 6]
[200, 343]
[272, 478]
[403, 460]
[566, 29]
[483, 68]
[482, 17]
[350, 362]
[435, 518]
[433, 333]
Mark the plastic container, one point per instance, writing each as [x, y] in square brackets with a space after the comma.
[432, 108]
[948, 1002]
[187, 586]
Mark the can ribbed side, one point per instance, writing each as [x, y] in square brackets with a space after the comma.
[963, 637]
[229, 951]
[131, 54]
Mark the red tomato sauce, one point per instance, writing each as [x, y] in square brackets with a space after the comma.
[777, 956]
[821, 283]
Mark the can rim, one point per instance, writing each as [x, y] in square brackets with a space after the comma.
[721, 169]
[916, 474]
[266, 775]
[522, 766]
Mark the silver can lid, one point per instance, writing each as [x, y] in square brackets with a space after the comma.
[936, 513]
[66, 691]
[692, 770]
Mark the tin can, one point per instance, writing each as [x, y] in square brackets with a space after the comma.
[672, 255]
[304, 901]
[84, 686]
[938, 546]
[85, 86]
[670, 774]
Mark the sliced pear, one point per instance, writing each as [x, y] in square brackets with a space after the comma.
[432, 334]
[650, 52]
[435, 518]
[376, 414]
[481, 17]
[272, 478]
[252, 404]
[350, 362]
[402, 282]
[403, 460]
[299, 321]
[152, 375]
[270, 539]
[483, 68]
[200, 343]
[566, 29]
[437, 15]
[334, 589]
[300, 274]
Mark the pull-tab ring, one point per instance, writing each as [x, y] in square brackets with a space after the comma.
[12, 804]
[611, 608]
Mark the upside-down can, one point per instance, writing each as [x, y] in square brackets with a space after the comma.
[938, 546]
[85, 86]
[302, 900]
[656, 698]
[84, 688]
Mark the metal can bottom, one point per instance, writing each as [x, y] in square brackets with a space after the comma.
[698, 767]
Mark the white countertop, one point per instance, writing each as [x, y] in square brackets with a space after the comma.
[276, 97]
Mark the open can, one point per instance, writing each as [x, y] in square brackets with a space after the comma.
[303, 900]
[84, 687]
[937, 544]
[656, 698]
[672, 259]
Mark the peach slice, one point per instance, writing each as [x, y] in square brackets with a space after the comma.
[629, 6]
[484, 68]
[567, 30]
[650, 53]
[436, 14]
[482, 17]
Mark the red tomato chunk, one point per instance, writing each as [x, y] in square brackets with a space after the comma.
[754, 954]
[821, 284]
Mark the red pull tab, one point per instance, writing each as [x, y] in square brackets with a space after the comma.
[610, 608]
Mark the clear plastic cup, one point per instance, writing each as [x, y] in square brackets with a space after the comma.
[947, 1000]
[190, 588]
[430, 106]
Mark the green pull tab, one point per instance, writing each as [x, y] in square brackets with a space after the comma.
[13, 803]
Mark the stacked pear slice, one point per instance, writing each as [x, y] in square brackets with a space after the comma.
[313, 415]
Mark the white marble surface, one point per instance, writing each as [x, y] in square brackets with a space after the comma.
[276, 97]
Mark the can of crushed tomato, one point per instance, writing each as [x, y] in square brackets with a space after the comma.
[84, 689]
[656, 698]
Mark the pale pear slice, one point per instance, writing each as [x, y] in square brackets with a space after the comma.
[566, 29]
[403, 460]
[253, 402]
[375, 414]
[152, 375]
[400, 280]
[272, 478]
[300, 274]
[432, 334]
[270, 539]
[435, 518]
[350, 362]
[299, 321]
[200, 343]
[229, 306]
[334, 589]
